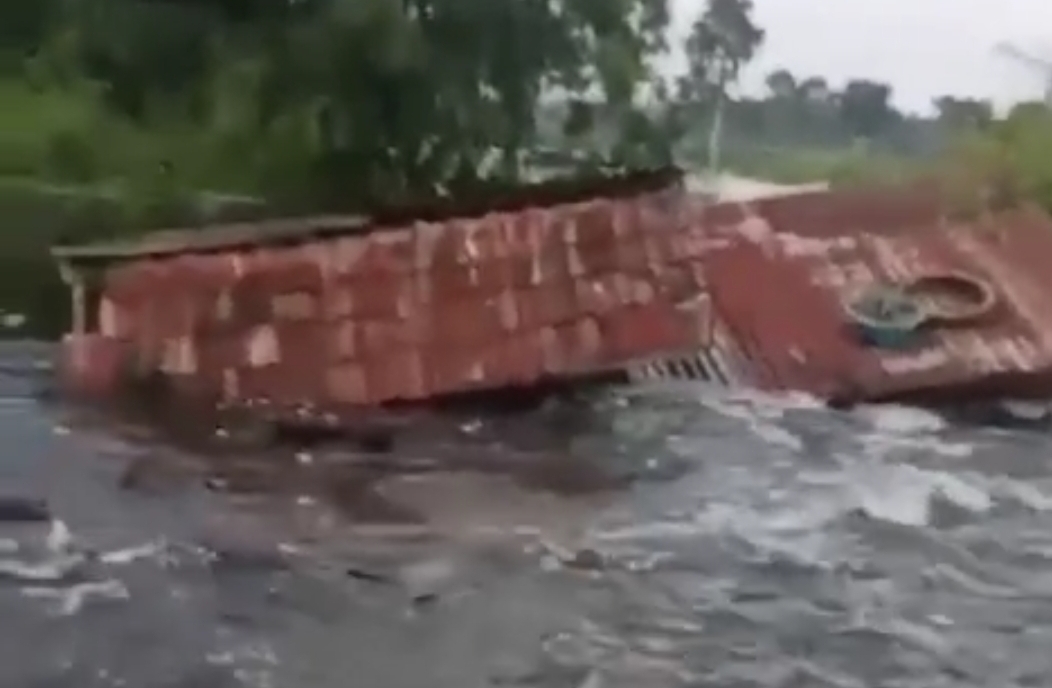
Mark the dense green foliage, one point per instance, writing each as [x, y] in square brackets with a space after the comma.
[121, 115]
[305, 104]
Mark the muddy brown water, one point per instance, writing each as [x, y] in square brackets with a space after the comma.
[676, 536]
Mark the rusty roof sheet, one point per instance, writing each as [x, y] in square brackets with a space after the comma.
[781, 293]
[487, 198]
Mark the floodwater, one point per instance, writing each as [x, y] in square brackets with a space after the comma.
[668, 537]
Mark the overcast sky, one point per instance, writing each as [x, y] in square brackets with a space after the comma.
[923, 48]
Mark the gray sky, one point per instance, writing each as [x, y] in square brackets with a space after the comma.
[923, 48]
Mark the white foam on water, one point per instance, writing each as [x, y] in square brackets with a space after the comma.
[760, 413]
[891, 419]
[253, 663]
[793, 512]
[68, 601]
[903, 494]
[59, 538]
[53, 569]
[127, 555]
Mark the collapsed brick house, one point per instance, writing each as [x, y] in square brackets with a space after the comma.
[559, 281]
[552, 280]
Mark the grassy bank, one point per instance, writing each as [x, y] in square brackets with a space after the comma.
[840, 167]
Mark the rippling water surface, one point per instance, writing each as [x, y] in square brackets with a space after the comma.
[673, 537]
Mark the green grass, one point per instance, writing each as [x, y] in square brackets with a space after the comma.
[845, 166]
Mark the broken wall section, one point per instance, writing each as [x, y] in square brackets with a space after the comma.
[428, 309]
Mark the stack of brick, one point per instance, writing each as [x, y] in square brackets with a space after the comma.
[414, 312]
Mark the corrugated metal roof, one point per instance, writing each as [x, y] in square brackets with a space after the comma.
[781, 293]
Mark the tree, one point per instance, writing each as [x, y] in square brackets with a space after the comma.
[782, 84]
[722, 40]
[357, 99]
[964, 113]
[865, 107]
[815, 90]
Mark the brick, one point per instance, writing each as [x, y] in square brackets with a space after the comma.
[170, 315]
[287, 271]
[261, 347]
[508, 310]
[549, 304]
[517, 359]
[337, 301]
[534, 230]
[389, 252]
[250, 302]
[222, 310]
[302, 343]
[213, 272]
[632, 257]
[598, 258]
[547, 265]
[656, 217]
[481, 240]
[427, 237]
[634, 331]
[379, 336]
[487, 278]
[345, 384]
[554, 357]
[323, 254]
[347, 255]
[468, 321]
[626, 219]
[383, 296]
[595, 223]
[114, 320]
[395, 376]
[297, 305]
[454, 370]
[343, 340]
[217, 353]
[574, 264]
[566, 227]
[659, 248]
[178, 356]
[677, 283]
[642, 292]
[582, 344]
[699, 317]
[598, 295]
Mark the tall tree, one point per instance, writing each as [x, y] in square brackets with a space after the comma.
[865, 107]
[722, 40]
[964, 113]
[815, 89]
[781, 84]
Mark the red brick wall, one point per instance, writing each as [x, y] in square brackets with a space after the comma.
[429, 309]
